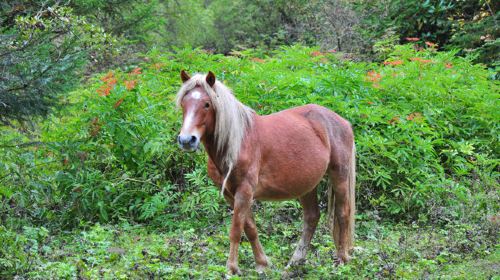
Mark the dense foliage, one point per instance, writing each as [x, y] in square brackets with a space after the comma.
[426, 133]
[46, 44]
[425, 126]
[41, 53]
[98, 188]
[467, 25]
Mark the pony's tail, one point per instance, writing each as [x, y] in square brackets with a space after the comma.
[333, 221]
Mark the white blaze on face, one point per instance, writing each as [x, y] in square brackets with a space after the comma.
[188, 125]
[195, 94]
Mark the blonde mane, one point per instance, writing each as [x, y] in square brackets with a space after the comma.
[232, 118]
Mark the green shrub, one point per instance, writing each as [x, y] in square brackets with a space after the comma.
[43, 49]
[467, 25]
[425, 123]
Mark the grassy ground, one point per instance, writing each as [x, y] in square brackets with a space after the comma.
[458, 251]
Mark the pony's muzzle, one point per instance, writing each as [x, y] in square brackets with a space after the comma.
[188, 142]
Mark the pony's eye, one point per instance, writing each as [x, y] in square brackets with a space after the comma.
[207, 105]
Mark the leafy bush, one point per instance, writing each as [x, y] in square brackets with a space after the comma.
[425, 123]
[42, 52]
[467, 25]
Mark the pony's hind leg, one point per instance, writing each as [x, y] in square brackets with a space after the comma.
[343, 219]
[311, 215]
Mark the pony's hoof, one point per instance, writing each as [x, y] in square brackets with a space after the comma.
[287, 274]
[233, 270]
[342, 259]
[294, 263]
[262, 265]
[292, 271]
[260, 268]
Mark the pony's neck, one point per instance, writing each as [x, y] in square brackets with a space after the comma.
[209, 142]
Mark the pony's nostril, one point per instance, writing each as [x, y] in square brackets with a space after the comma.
[184, 139]
[193, 139]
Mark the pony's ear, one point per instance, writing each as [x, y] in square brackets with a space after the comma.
[211, 78]
[185, 76]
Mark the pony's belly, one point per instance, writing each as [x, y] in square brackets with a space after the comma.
[290, 180]
[284, 190]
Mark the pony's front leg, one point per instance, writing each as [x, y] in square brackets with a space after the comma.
[242, 206]
[252, 235]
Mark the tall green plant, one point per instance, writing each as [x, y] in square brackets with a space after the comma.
[42, 52]
[425, 124]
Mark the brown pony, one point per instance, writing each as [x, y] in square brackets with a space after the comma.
[275, 157]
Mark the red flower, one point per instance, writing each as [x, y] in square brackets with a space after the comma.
[104, 90]
[316, 53]
[415, 116]
[393, 63]
[118, 103]
[421, 60]
[259, 60]
[111, 82]
[158, 66]
[394, 120]
[448, 65]
[136, 71]
[130, 84]
[430, 44]
[373, 76]
[108, 76]
[412, 39]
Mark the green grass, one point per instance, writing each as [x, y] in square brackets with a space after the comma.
[382, 250]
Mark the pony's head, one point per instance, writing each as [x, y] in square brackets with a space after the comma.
[198, 111]
[210, 109]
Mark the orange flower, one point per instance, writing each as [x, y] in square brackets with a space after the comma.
[373, 76]
[430, 44]
[130, 84]
[393, 63]
[158, 66]
[412, 39]
[118, 103]
[394, 120]
[136, 71]
[108, 76]
[316, 53]
[104, 90]
[421, 60]
[111, 82]
[259, 60]
[415, 116]
[448, 65]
